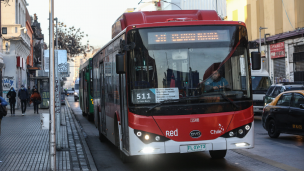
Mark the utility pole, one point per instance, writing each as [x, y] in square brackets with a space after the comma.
[57, 93]
[261, 28]
[216, 6]
[52, 90]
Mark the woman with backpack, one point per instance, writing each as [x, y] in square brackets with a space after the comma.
[11, 95]
[3, 110]
[36, 99]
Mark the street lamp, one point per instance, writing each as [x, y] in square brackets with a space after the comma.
[261, 28]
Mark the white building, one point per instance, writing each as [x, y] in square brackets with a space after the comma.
[154, 5]
[16, 45]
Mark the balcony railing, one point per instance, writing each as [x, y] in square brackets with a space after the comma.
[15, 31]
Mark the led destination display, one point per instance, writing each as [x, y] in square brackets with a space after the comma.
[188, 36]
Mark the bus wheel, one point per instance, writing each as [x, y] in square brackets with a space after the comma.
[273, 131]
[91, 117]
[124, 158]
[102, 138]
[218, 154]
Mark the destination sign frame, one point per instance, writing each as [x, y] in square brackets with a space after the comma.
[188, 36]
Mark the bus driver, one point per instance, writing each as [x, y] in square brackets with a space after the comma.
[216, 83]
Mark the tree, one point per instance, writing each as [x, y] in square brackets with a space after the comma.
[70, 40]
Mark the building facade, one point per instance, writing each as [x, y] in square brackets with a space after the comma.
[283, 47]
[217, 5]
[17, 43]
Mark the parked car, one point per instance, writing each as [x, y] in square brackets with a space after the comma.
[76, 90]
[69, 92]
[276, 89]
[285, 114]
[63, 98]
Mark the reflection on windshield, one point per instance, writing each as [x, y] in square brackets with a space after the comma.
[260, 83]
[165, 73]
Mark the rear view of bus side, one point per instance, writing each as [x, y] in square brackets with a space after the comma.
[170, 82]
[86, 89]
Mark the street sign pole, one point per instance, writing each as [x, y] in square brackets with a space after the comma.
[52, 89]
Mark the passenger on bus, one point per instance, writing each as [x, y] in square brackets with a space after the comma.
[216, 83]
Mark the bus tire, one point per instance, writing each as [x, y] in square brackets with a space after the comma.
[102, 138]
[273, 131]
[90, 117]
[75, 99]
[218, 154]
[124, 158]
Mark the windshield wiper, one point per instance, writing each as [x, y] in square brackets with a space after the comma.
[232, 102]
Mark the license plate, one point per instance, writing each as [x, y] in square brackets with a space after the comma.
[194, 148]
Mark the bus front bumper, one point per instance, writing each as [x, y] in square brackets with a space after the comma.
[137, 147]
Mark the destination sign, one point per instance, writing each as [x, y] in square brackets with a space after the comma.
[188, 36]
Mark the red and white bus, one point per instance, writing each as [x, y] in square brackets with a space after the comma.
[174, 82]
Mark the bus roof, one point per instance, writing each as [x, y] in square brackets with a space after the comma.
[145, 17]
[84, 65]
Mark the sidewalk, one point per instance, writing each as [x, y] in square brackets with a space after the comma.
[25, 146]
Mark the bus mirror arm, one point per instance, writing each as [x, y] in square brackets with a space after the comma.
[126, 47]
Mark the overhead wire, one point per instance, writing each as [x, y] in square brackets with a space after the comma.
[287, 14]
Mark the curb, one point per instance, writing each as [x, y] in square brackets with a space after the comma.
[83, 141]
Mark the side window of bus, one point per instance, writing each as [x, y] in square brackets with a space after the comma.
[284, 100]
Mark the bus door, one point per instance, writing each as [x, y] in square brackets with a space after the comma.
[102, 99]
[123, 112]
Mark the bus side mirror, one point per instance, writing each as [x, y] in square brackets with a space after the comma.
[256, 60]
[120, 63]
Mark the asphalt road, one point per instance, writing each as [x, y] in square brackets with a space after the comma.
[283, 153]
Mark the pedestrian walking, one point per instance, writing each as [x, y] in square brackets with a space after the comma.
[23, 96]
[3, 103]
[36, 99]
[11, 95]
[29, 95]
[33, 89]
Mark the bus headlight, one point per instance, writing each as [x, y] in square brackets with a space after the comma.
[148, 150]
[239, 132]
[147, 137]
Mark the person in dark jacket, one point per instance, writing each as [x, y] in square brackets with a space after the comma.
[29, 95]
[11, 95]
[3, 103]
[35, 98]
[23, 96]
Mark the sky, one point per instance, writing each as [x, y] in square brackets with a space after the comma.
[94, 17]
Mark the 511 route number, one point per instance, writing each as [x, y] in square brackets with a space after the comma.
[143, 96]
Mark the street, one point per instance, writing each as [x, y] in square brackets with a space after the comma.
[283, 153]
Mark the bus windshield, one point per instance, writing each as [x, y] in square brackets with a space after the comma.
[180, 62]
